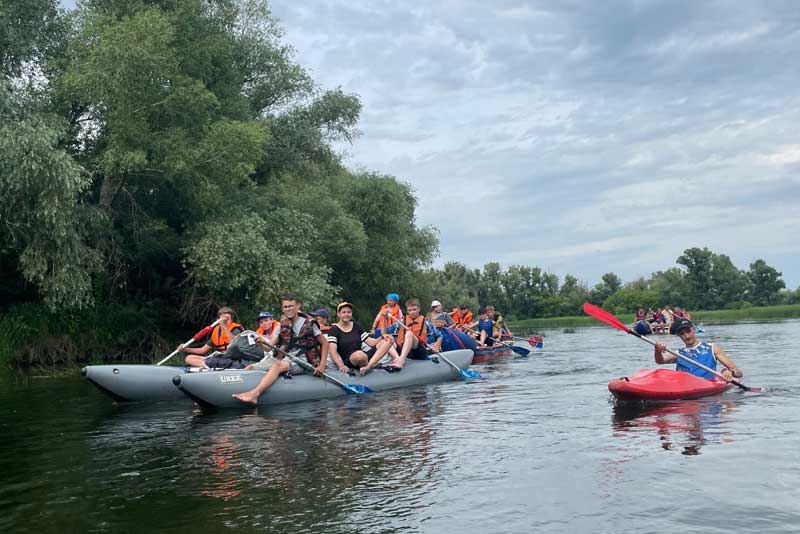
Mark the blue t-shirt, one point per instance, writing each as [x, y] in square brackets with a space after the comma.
[702, 353]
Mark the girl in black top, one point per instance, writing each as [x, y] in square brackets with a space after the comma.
[346, 339]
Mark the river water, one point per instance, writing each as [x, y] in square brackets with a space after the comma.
[535, 446]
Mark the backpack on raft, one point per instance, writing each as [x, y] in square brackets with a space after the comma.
[244, 348]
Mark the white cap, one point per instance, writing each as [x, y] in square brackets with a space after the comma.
[435, 303]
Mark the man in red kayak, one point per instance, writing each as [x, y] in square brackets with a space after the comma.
[707, 354]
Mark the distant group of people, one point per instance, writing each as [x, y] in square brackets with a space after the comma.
[659, 321]
[297, 341]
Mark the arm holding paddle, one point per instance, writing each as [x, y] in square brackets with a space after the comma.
[608, 318]
[197, 337]
[728, 374]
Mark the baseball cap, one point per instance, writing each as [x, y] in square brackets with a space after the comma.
[344, 305]
[435, 303]
[322, 312]
[680, 324]
[264, 315]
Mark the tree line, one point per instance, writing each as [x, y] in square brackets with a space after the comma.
[702, 280]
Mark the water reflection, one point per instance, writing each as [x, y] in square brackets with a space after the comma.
[319, 466]
[688, 424]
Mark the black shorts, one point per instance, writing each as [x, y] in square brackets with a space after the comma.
[418, 353]
[370, 352]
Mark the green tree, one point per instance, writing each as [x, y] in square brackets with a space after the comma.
[766, 283]
[572, 295]
[699, 264]
[671, 287]
[609, 284]
[629, 300]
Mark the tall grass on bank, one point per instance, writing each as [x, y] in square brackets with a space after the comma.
[32, 336]
[761, 313]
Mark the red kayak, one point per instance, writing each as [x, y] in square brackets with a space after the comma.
[664, 384]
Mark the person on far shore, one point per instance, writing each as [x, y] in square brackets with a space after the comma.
[707, 354]
[221, 336]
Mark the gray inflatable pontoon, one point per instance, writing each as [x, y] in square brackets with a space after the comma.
[215, 389]
[135, 383]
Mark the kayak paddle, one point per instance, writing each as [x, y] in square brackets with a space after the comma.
[519, 350]
[197, 337]
[466, 374]
[353, 389]
[602, 315]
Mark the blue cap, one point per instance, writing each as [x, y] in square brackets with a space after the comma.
[394, 296]
[322, 312]
[264, 315]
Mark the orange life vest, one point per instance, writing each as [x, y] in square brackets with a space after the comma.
[268, 331]
[417, 326]
[466, 318]
[456, 315]
[220, 338]
[384, 321]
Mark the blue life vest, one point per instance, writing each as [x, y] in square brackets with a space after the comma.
[702, 353]
[485, 326]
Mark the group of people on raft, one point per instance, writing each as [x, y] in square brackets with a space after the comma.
[300, 341]
[659, 321]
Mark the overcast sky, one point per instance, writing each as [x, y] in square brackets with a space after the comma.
[579, 136]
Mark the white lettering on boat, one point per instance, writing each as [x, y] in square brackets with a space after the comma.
[229, 379]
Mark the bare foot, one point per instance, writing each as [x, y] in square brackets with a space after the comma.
[246, 397]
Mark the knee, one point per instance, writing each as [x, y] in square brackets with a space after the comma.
[359, 359]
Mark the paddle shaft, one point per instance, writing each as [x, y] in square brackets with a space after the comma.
[518, 350]
[176, 351]
[425, 342]
[308, 367]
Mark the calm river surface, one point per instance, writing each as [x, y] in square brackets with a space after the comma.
[535, 447]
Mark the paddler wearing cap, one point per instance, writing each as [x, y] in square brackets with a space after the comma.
[383, 324]
[437, 317]
[321, 315]
[347, 340]
[268, 327]
[707, 354]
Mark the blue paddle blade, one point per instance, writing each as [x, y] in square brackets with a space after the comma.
[521, 351]
[539, 345]
[469, 373]
[357, 389]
